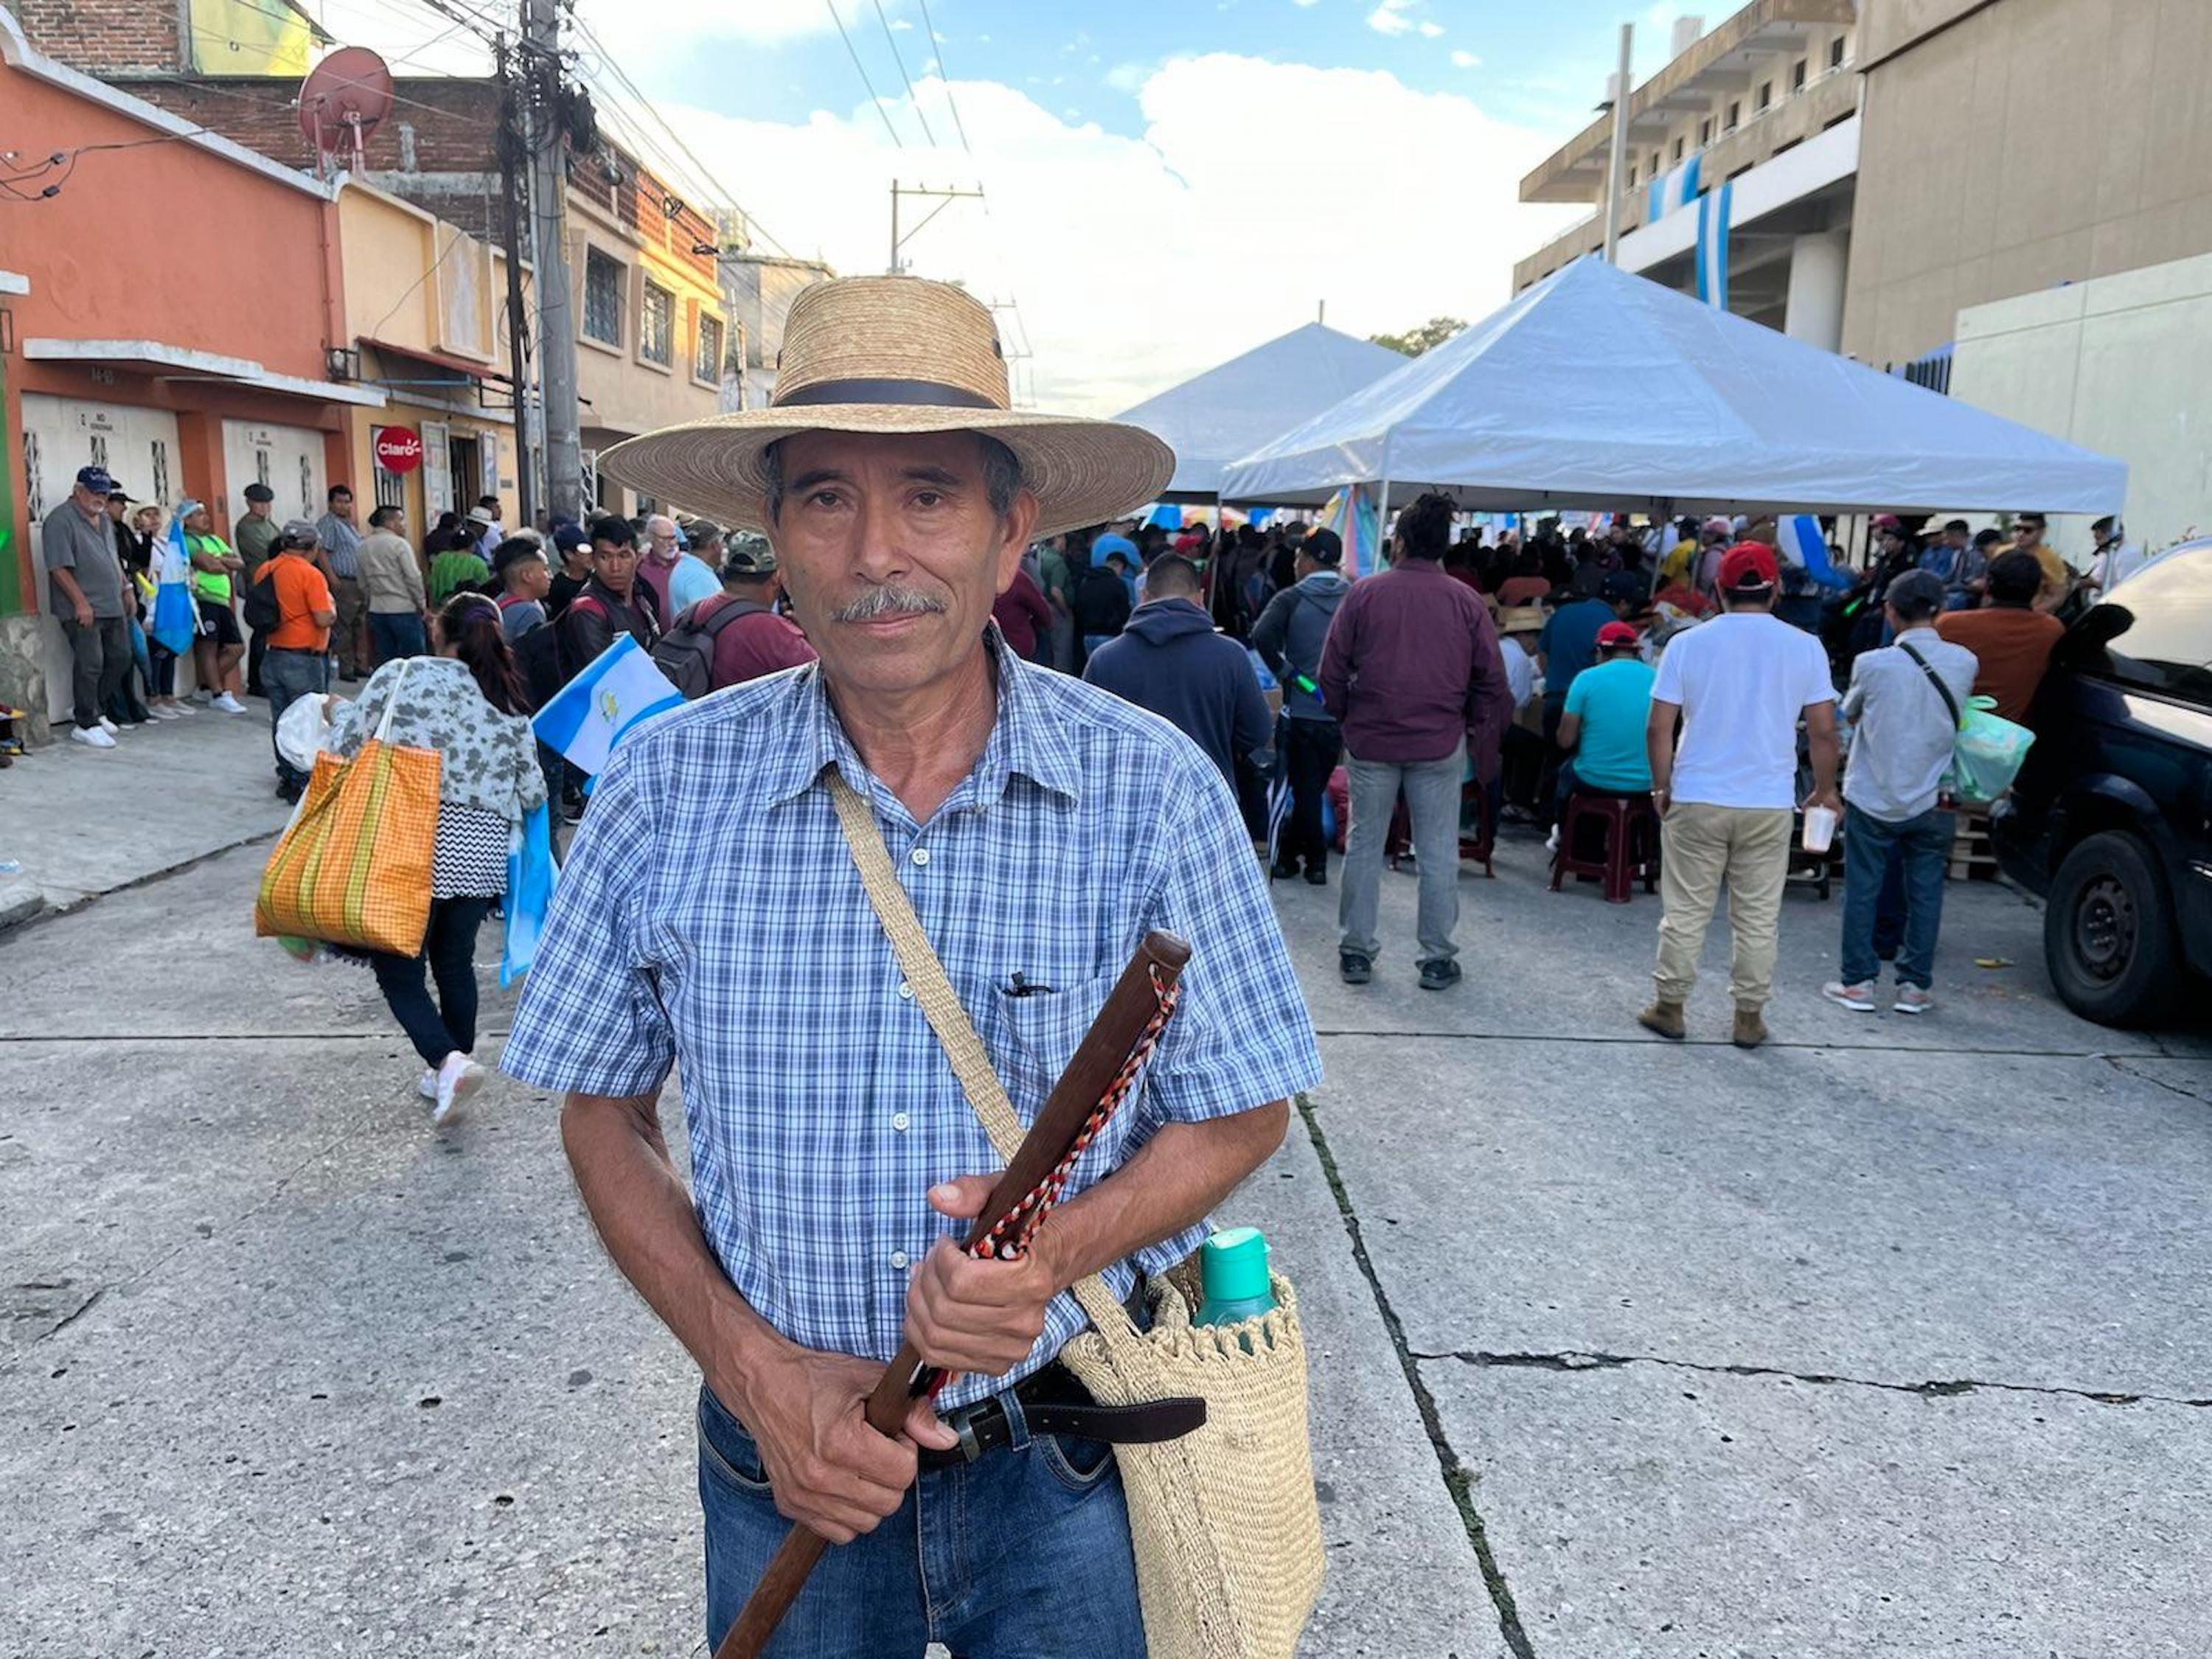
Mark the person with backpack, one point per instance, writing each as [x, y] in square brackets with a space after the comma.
[737, 635]
[289, 603]
[1308, 742]
[1903, 706]
[614, 601]
[524, 579]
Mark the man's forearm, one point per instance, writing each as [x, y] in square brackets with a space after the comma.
[1177, 1176]
[65, 579]
[1822, 747]
[1659, 747]
[645, 1219]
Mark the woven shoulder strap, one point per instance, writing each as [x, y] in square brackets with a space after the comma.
[940, 1005]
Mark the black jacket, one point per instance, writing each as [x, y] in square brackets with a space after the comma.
[595, 616]
[1102, 603]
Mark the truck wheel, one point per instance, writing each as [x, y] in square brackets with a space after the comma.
[2108, 934]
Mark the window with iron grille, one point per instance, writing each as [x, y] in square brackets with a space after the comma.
[603, 298]
[656, 326]
[706, 363]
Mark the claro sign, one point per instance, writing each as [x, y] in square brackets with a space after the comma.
[398, 448]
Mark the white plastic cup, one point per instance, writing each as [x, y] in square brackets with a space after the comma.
[1820, 829]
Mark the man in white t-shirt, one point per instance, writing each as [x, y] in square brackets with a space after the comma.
[1738, 686]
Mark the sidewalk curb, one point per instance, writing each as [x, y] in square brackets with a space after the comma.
[25, 906]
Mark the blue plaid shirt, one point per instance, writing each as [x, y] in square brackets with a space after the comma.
[711, 916]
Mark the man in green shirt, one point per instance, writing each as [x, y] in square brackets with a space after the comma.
[455, 569]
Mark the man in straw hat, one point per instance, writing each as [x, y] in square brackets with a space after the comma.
[711, 916]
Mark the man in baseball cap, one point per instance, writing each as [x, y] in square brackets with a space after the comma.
[1727, 799]
[87, 591]
[1608, 711]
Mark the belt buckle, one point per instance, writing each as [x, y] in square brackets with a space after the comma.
[971, 1447]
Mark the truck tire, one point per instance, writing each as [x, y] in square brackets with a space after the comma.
[2108, 932]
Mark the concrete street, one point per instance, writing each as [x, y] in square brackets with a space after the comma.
[1894, 1337]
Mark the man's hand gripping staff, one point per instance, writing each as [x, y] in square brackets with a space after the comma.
[958, 1313]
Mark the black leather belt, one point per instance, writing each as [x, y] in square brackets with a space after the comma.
[1053, 1402]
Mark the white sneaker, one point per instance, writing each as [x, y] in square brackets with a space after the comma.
[1913, 1000]
[458, 1079]
[92, 737]
[428, 1085]
[1552, 841]
[229, 705]
[1859, 998]
[107, 725]
[180, 708]
[204, 696]
[159, 712]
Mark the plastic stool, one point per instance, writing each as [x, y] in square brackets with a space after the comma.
[1631, 849]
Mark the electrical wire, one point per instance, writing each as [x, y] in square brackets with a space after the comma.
[929, 136]
[944, 79]
[855, 55]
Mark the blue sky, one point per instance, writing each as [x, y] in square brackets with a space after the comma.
[1170, 182]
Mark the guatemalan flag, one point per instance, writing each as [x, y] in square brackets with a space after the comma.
[1801, 542]
[1675, 188]
[1715, 209]
[586, 718]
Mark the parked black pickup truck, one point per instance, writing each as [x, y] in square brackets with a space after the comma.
[2111, 819]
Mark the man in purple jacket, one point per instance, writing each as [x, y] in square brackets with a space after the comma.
[1410, 668]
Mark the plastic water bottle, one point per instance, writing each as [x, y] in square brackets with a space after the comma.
[1232, 1267]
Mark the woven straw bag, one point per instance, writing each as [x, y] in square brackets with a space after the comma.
[1224, 1521]
[353, 867]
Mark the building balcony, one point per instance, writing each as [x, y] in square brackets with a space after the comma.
[1825, 103]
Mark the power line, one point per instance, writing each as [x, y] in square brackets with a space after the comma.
[864, 81]
[929, 136]
[944, 79]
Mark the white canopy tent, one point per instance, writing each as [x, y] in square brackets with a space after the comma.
[1599, 389]
[1231, 409]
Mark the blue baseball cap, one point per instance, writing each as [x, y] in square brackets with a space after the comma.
[1109, 544]
[95, 479]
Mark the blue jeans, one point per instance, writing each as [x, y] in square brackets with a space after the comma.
[1922, 847]
[396, 634]
[1022, 1554]
[287, 675]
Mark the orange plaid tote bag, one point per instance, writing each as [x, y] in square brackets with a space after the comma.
[354, 867]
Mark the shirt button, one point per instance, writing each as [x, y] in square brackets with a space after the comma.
[898, 1258]
[920, 856]
[906, 990]
[899, 1120]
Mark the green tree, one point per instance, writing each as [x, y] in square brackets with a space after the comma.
[1414, 341]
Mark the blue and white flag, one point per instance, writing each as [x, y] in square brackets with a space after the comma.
[1713, 209]
[586, 718]
[1800, 541]
[1675, 188]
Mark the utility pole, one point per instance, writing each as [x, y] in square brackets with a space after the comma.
[512, 140]
[944, 199]
[556, 329]
[1619, 155]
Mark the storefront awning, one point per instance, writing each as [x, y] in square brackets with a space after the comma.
[461, 367]
[163, 362]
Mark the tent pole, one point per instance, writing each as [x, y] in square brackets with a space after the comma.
[1383, 526]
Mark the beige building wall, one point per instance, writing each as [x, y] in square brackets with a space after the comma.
[2009, 146]
[2119, 365]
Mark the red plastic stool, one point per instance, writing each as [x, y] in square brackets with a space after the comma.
[1630, 850]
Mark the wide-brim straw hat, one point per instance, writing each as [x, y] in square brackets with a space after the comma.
[895, 355]
[1522, 619]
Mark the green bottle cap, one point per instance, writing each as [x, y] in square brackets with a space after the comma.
[1234, 1265]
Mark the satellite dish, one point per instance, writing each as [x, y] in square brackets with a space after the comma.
[341, 101]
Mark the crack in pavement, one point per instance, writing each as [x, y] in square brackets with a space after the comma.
[1459, 1479]
[1632, 1039]
[85, 899]
[2119, 1063]
[1572, 1359]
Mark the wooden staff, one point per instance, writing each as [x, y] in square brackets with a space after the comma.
[1105, 1048]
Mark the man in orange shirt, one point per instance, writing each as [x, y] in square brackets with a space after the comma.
[297, 662]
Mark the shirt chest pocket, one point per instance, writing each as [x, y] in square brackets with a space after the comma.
[1038, 1034]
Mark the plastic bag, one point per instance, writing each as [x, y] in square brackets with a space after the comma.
[530, 873]
[301, 730]
[1987, 755]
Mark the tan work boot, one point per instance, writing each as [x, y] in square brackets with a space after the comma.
[1750, 1029]
[1666, 1018]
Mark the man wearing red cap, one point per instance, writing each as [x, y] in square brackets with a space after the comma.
[1737, 686]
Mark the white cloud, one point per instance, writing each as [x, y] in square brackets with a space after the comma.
[1128, 77]
[1431, 30]
[1305, 2]
[1389, 17]
[900, 25]
[639, 33]
[1466, 60]
[1115, 244]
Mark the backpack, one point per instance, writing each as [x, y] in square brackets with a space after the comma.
[686, 652]
[263, 614]
[538, 655]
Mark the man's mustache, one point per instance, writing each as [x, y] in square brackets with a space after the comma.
[889, 599]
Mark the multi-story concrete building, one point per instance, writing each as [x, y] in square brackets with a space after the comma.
[1766, 103]
[759, 289]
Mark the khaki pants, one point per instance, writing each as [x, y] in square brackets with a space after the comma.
[1698, 846]
[348, 640]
